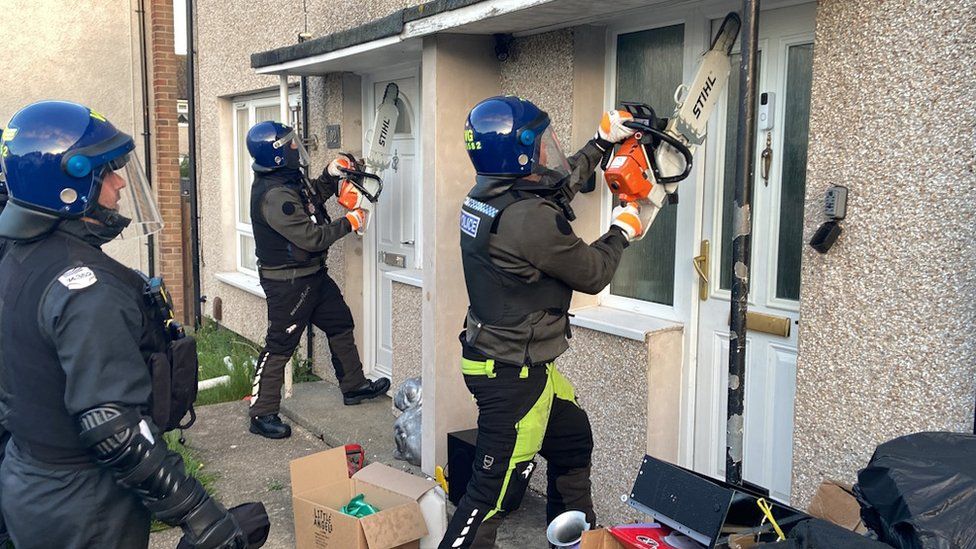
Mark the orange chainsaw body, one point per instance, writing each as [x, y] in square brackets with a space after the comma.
[628, 174]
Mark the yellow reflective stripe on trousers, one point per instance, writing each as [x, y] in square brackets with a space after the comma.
[478, 367]
[530, 430]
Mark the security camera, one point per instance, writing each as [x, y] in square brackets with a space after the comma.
[503, 46]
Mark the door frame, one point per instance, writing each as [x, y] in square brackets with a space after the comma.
[697, 18]
[707, 451]
[370, 258]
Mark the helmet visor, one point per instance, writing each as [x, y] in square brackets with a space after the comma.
[125, 189]
[291, 141]
[548, 160]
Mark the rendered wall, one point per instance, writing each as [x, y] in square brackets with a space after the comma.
[887, 339]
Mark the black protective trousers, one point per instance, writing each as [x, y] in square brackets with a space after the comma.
[292, 305]
[522, 411]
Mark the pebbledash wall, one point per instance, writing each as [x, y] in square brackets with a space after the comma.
[888, 316]
[887, 344]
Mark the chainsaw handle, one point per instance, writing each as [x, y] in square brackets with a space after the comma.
[356, 175]
[649, 131]
[681, 148]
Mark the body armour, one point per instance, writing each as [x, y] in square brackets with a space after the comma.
[509, 319]
[34, 384]
[272, 249]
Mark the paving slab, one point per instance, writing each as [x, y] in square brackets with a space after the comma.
[248, 468]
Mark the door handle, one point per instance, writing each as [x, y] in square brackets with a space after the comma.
[700, 263]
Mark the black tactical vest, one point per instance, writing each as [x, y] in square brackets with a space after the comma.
[32, 378]
[504, 307]
[272, 249]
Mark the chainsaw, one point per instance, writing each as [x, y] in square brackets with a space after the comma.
[647, 166]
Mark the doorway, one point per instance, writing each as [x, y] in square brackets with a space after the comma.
[392, 241]
[785, 77]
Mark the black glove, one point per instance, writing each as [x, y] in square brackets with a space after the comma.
[252, 518]
[211, 526]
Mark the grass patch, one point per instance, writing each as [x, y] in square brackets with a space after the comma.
[223, 352]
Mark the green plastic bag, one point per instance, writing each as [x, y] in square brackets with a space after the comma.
[357, 507]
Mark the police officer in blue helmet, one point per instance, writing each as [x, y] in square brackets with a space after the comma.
[292, 237]
[87, 464]
[522, 261]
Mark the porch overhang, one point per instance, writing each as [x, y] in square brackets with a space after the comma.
[396, 38]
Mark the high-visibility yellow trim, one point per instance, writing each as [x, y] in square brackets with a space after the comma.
[478, 367]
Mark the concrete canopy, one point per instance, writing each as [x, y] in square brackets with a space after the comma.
[395, 38]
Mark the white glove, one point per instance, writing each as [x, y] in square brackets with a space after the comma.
[627, 218]
[341, 162]
[357, 220]
[612, 127]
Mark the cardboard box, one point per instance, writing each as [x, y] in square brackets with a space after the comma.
[321, 486]
[600, 539]
[835, 502]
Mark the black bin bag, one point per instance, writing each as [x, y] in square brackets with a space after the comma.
[919, 491]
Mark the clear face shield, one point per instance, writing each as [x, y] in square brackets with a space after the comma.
[125, 193]
[293, 150]
[548, 161]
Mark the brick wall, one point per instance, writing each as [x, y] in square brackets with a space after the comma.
[165, 136]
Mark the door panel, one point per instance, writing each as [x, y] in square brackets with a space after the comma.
[395, 216]
[785, 63]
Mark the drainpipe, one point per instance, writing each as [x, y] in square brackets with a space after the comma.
[742, 241]
[192, 160]
[146, 135]
[309, 330]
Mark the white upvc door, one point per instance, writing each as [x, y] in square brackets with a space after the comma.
[394, 231]
[785, 71]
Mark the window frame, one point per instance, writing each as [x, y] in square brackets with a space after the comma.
[250, 103]
[678, 311]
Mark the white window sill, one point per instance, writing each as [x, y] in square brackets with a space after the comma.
[626, 324]
[241, 281]
[410, 277]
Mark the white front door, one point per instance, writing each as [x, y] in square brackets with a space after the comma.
[785, 72]
[394, 227]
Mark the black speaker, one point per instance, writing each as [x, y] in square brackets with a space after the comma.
[460, 457]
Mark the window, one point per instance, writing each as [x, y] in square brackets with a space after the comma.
[649, 68]
[248, 112]
[182, 112]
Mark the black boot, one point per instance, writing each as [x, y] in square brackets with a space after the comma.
[366, 391]
[270, 426]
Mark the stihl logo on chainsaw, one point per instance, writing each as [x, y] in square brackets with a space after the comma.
[703, 96]
[384, 133]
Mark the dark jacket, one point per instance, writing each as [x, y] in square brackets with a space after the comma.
[74, 334]
[532, 243]
[288, 243]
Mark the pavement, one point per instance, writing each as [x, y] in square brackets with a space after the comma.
[252, 468]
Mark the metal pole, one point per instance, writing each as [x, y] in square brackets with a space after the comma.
[192, 142]
[742, 240]
[146, 133]
[283, 97]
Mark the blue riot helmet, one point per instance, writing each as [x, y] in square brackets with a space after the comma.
[273, 145]
[510, 137]
[65, 161]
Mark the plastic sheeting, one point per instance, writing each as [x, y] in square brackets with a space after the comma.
[919, 491]
[407, 429]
